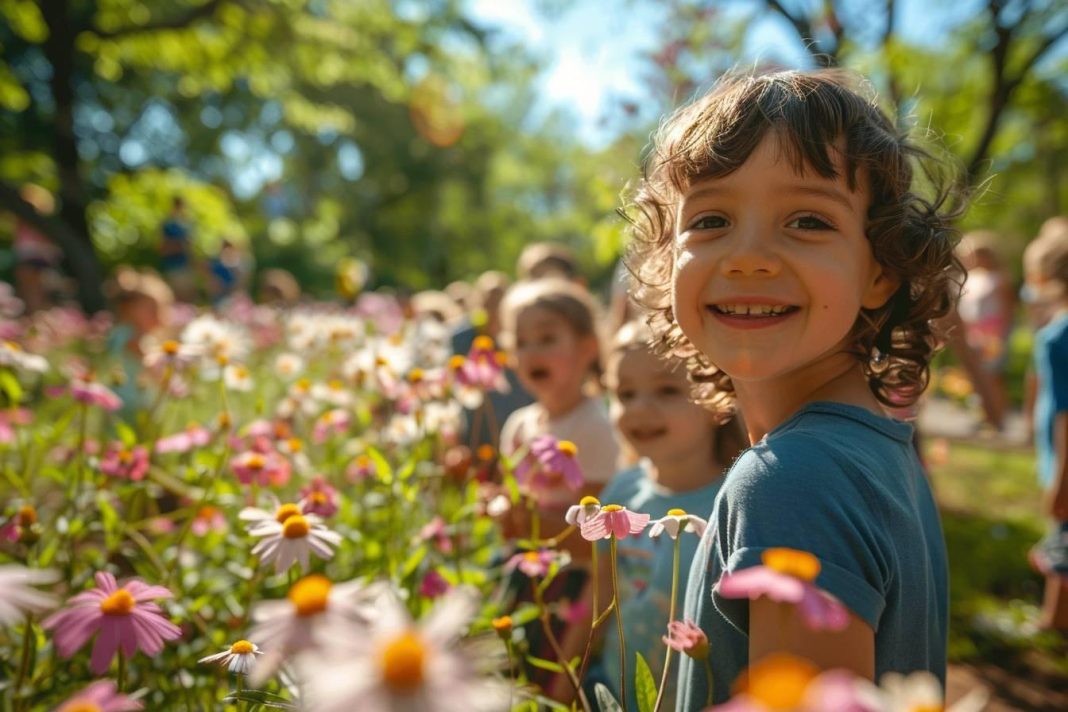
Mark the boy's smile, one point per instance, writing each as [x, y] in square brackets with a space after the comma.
[772, 267]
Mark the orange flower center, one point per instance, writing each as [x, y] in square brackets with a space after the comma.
[588, 500]
[611, 508]
[255, 462]
[415, 375]
[241, 647]
[502, 624]
[286, 511]
[125, 456]
[532, 556]
[119, 603]
[486, 452]
[170, 347]
[81, 706]
[318, 497]
[295, 445]
[296, 527]
[778, 681]
[403, 659]
[207, 512]
[27, 515]
[483, 343]
[310, 595]
[676, 512]
[567, 447]
[363, 461]
[456, 362]
[792, 562]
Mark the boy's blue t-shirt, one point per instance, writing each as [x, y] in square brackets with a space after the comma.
[846, 485]
[1051, 368]
[644, 572]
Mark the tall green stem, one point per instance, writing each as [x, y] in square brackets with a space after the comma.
[671, 617]
[121, 682]
[619, 625]
[24, 663]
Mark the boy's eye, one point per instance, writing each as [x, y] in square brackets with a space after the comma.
[624, 396]
[708, 222]
[809, 222]
[668, 391]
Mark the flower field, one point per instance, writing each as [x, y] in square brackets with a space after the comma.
[278, 509]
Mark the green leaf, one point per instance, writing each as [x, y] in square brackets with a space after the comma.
[605, 701]
[260, 697]
[10, 385]
[544, 664]
[382, 466]
[644, 685]
[126, 434]
[110, 519]
[413, 561]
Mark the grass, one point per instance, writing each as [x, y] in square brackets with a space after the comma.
[991, 514]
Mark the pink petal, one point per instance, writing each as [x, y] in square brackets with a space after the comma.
[141, 591]
[595, 529]
[618, 524]
[637, 521]
[92, 597]
[107, 643]
[73, 630]
[761, 581]
[127, 635]
[820, 611]
[106, 582]
[146, 636]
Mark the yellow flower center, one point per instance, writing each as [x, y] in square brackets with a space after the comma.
[926, 708]
[415, 375]
[303, 384]
[224, 420]
[456, 362]
[501, 358]
[483, 343]
[295, 445]
[255, 462]
[125, 456]
[792, 562]
[12, 346]
[363, 461]
[778, 681]
[170, 347]
[486, 452]
[588, 500]
[676, 512]
[222, 359]
[82, 706]
[532, 556]
[611, 508]
[381, 361]
[403, 659]
[296, 527]
[27, 515]
[119, 603]
[318, 497]
[502, 624]
[567, 447]
[310, 595]
[335, 385]
[241, 647]
[207, 512]
[286, 511]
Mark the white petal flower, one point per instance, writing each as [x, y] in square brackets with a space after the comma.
[676, 520]
[291, 540]
[239, 657]
[17, 595]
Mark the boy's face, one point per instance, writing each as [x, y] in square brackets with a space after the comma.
[771, 268]
[551, 360]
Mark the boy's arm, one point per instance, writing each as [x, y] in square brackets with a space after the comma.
[1058, 505]
[778, 628]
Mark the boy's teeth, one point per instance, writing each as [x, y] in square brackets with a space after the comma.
[752, 309]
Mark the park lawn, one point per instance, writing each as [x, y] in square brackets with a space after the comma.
[991, 513]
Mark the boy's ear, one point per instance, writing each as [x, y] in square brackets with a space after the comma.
[882, 287]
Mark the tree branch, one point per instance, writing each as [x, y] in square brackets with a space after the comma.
[174, 23]
[803, 28]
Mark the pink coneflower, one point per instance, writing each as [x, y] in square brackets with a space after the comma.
[208, 519]
[435, 530]
[433, 585]
[10, 419]
[289, 536]
[786, 577]
[549, 461]
[101, 696]
[124, 462]
[332, 422]
[17, 595]
[122, 616]
[265, 469]
[614, 521]
[319, 497]
[535, 563]
[484, 367]
[587, 508]
[192, 437]
[686, 637]
[92, 393]
[675, 521]
[361, 468]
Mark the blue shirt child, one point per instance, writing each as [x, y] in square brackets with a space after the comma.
[644, 572]
[846, 485]
[1051, 368]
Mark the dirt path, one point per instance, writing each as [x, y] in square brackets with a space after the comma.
[1009, 692]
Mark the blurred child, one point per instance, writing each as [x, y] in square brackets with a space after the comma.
[685, 453]
[986, 307]
[783, 254]
[1046, 274]
[539, 260]
[142, 307]
[550, 326]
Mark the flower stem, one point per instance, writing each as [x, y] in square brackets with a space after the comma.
[619, 625]
[546, 625]
[121, 681]
[711, 681]
[671, 617]
[24, 663]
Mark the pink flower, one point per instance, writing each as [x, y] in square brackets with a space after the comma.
[17, 417]
[786, 577]
[361, 468]
[332, 422]
[266, 469]
[483, 368]
[534, 563]
[208, 519]
[686, 637]
[435, 530]
[126, 463]
[548, 461]
[122, 616]
[318, 497]
[192, 437]
[102, 696]
[614, 521]
[433, 585]
[93, 393]
[587, 508]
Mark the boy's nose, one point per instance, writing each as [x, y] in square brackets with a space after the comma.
[750, 250]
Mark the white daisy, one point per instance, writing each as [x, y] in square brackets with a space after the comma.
[12, 355]
[288, 365]
[288, 536]
[314, 612]
[17, 595]
[168, 352]
[237, 377]
[239, 657]
[400, 665]
[676, 520]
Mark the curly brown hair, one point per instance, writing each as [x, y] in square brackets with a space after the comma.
[812, 114]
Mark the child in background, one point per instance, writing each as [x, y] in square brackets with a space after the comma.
[783, 254]
[142, 307]
[685, 452]
[1046, 274]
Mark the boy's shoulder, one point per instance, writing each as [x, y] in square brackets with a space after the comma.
[623, 485]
